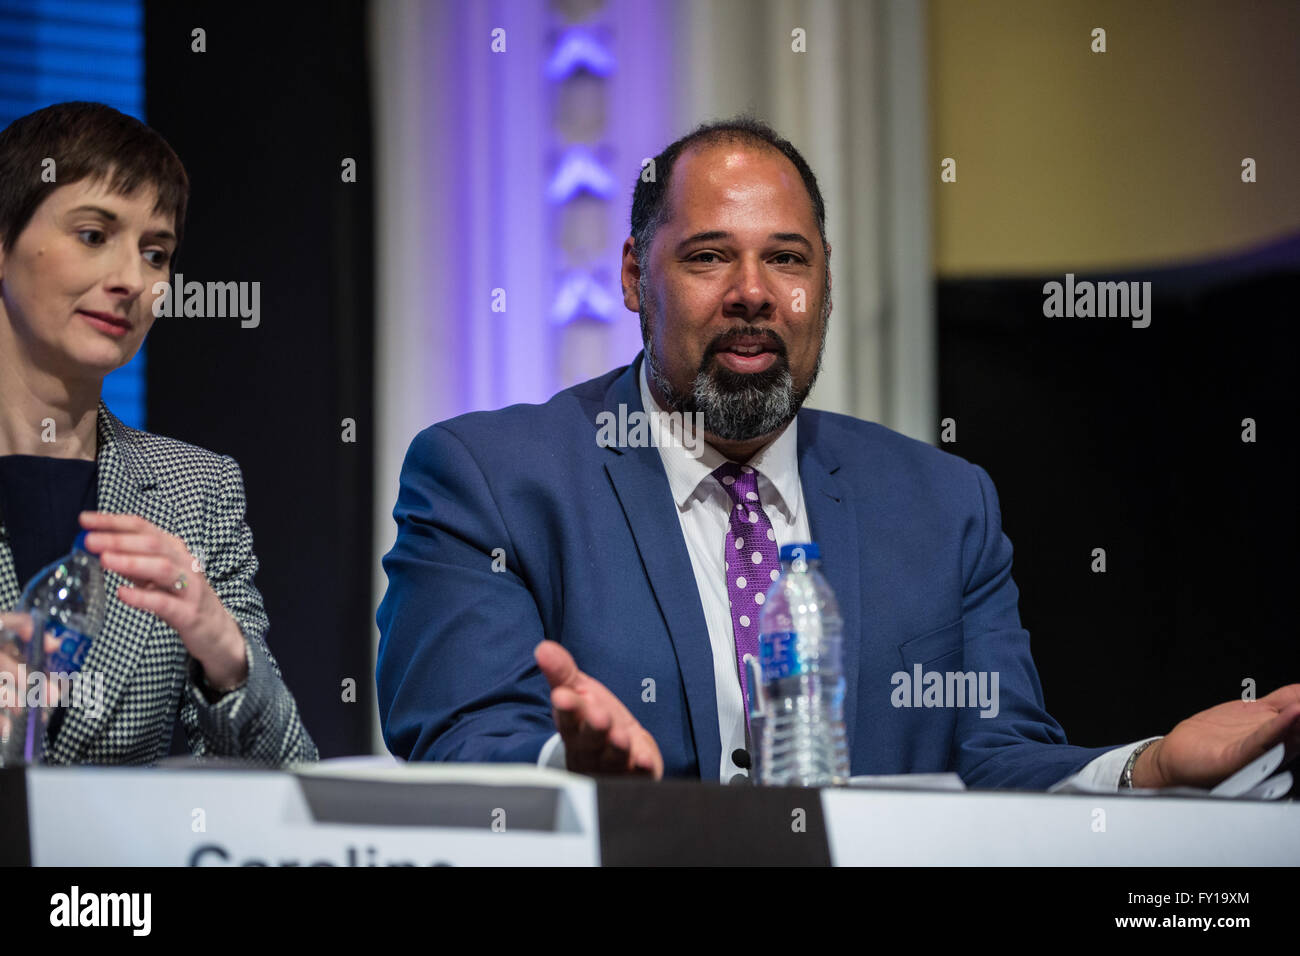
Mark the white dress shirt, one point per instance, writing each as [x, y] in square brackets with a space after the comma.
[704, 511]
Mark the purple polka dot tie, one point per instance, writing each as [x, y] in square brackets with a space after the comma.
[751, 562]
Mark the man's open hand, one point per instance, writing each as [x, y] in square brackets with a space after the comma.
[600, 735]
[1207, 748]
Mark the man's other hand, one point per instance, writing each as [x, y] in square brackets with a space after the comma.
[600, 735]
[1207, 748]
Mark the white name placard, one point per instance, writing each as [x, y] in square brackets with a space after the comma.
[325, 816]
[974, 828]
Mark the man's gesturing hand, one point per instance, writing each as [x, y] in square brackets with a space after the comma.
[600, 735]
[1207, 748]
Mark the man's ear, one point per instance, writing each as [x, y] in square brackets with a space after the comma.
[629, 275]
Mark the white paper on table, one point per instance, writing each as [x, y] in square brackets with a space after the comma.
[908, 781]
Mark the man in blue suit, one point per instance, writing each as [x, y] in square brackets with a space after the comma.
[563, 590]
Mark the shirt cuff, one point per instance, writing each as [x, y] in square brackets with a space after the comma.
[1102, 775]
[553, 753]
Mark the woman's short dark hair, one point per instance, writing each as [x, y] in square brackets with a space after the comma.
[650, 198]
[85, 140]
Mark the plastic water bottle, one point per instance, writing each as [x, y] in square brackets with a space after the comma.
[67, 600]
[800, 639]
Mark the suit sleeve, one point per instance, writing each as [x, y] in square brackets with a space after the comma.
[259, 721]
[458, 624]
[1022, 747]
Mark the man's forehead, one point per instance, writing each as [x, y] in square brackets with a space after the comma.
[710, 178]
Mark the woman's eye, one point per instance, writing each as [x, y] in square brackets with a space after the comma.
[157, 258]
[91, 237]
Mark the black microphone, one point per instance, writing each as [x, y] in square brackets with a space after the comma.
[741, 759]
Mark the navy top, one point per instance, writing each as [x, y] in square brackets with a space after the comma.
[40, 499]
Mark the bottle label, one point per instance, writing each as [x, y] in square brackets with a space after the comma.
[780, 655]
[72, 650]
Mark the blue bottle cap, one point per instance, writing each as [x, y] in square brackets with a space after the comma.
[810, 551]
[80, 543]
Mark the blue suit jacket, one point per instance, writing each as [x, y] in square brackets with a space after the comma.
[516, 525]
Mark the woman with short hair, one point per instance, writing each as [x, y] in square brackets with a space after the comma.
[92, 207]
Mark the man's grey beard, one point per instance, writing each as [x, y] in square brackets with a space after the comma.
[737, 406]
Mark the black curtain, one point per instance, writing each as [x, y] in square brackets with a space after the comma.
[263, 120]
[1101, 435]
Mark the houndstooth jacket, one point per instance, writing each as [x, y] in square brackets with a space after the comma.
[148, 676]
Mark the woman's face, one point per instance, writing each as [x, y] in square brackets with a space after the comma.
[77, 286]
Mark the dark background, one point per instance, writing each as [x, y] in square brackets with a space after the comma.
[1096, 434]
[262, 121]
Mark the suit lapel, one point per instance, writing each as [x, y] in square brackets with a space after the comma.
[833, 522]
[647, 501]
[9, 583]
[125, 485]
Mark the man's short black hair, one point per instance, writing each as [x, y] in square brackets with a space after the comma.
[650, 198]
